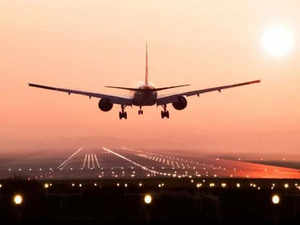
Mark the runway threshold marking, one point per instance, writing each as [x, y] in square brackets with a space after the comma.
[92, 162]
[131, 161]
[96, 160]
[88, 162]
[84, 161]
[64, 163]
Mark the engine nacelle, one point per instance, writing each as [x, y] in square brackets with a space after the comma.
[180, 104]
[105, 105]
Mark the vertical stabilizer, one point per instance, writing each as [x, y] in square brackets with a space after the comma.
[146, 71]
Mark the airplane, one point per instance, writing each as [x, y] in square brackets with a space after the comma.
[144, 95]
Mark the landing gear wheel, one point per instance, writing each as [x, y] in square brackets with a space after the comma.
[123, 115]
[165, 114]
[140, 112]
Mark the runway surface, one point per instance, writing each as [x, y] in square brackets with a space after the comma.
[104, 162]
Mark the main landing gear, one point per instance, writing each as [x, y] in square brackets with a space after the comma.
[165, 112]
[123, 114]
[140, 112]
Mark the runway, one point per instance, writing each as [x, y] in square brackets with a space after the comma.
[103, 162]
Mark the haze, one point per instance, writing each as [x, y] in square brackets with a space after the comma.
[86, 44]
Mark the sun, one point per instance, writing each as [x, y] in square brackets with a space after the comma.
[278, 41]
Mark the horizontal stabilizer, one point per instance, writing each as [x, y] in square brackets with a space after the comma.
[164, 88]
[124, 88]
[147, 89]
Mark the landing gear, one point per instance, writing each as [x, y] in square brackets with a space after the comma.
[140, 112]
[165, 112]
[123, 114]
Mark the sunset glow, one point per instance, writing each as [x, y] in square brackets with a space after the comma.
[278, 41]
[87, 44]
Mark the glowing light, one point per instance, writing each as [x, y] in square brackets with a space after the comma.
[18, 199]
[198, 185]
[275, 199]
[148, 199]
[238, 185]
[0, 185]
[212, 185]
[223, 185]
[278, 41]
[286, 186]
[46, 185]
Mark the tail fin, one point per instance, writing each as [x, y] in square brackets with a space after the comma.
[146, 71]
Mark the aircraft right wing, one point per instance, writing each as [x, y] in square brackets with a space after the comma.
[113, 99]
[173, 98]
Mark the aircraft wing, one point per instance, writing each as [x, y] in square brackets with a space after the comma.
[113, 99]
[173, 98]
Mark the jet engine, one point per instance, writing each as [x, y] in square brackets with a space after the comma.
[181, 103]
[105, 105]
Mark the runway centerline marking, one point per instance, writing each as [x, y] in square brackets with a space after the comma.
[131, 161]
[64, 163]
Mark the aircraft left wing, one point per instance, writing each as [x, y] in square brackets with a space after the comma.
[173, 98]
[113, 99]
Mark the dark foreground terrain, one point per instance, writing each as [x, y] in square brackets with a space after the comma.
[174, 201]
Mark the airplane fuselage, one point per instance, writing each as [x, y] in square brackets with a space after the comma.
[145, 96]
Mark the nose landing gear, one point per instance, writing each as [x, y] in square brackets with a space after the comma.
[140, 112]
[123, 114]
[165, 112]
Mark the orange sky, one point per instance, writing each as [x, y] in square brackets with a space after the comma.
[86, 44]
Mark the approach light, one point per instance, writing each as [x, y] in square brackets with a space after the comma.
[238, 185]
[148, 199]
[199, 185]
[223, 185]
[286, 186]
[46, 185]
[18, 199]
[275, 199]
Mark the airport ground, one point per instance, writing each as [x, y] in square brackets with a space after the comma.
[107, 163]
[125, 186]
